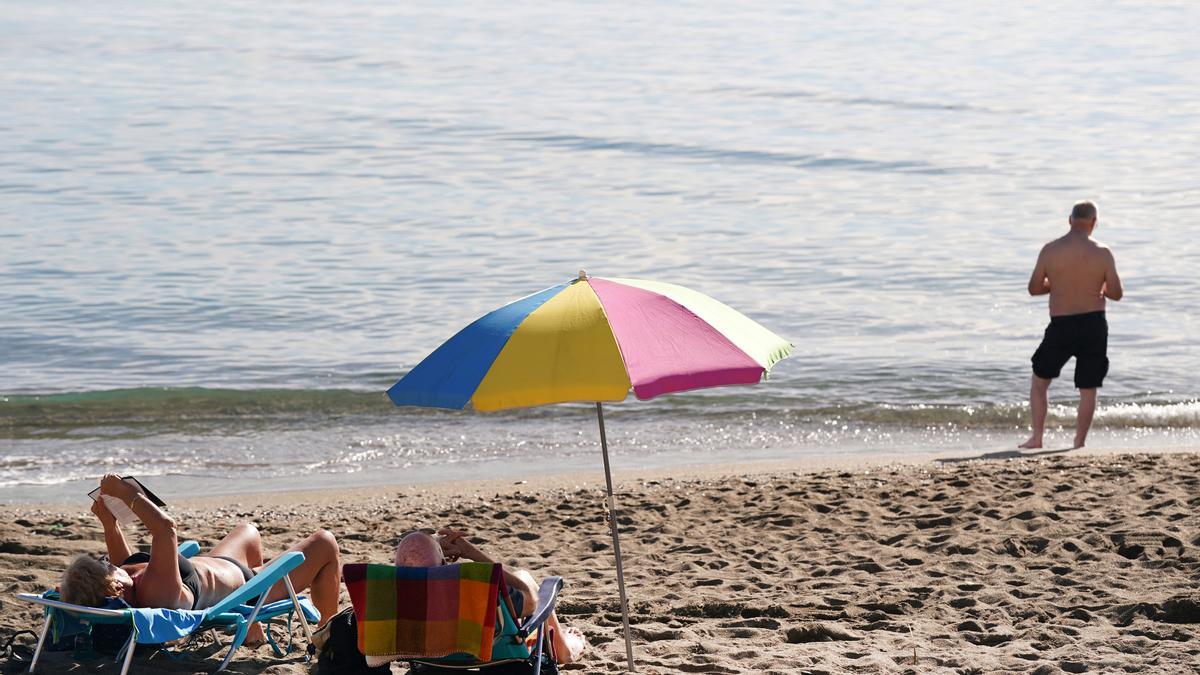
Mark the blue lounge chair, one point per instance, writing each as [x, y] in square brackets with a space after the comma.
[150, 625]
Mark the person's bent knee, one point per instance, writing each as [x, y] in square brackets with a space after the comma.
[248, 528]
[326, 540]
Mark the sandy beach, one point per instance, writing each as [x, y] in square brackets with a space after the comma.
[1058, 563]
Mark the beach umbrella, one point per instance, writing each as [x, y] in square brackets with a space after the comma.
[593, 340]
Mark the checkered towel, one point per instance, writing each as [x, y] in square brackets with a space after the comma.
[425, 612]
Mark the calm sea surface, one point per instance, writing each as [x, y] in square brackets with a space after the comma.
[227, 228]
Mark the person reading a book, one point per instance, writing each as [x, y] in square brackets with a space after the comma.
[165, 579]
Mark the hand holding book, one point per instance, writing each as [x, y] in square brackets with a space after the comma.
[115, 494]
[124, 489]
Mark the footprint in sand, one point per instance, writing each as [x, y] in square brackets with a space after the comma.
[817, 632]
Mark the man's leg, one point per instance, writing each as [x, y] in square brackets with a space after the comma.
[1087, 409]
[1090, 368]
[568, 643]
[1038, 403]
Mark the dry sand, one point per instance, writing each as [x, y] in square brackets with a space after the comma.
[1060, 563]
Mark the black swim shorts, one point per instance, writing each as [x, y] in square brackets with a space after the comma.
[1084, 336]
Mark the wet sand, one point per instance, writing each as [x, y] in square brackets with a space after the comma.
[1056, 563]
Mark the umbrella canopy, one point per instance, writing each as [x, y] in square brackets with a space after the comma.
[593, 340]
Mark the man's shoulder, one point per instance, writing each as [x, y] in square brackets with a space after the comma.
[1054, 245]
[1101, 248]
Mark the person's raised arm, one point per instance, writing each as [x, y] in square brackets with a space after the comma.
[114, 539]
[161, 586]
[1112, 288]
[455, 545]
[1039, 283]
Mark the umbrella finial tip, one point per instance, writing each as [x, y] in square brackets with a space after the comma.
[583, 275]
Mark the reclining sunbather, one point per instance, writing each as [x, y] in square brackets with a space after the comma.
[165, 579]
[418, 549]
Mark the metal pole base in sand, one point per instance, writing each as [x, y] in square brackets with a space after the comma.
[612, 525]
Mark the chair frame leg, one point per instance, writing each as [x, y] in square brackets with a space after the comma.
[254, 614]
[130, 646]
[300, 613]
[537, 654]
[37, 652]
[241, 633]
[238, 638]
[287, 582]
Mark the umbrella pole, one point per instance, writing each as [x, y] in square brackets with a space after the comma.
[612, 525]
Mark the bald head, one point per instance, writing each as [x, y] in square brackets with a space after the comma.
[417, 549]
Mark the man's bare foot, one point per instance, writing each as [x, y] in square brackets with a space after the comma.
[1078, 444]
[576, 643]
[1032, 444]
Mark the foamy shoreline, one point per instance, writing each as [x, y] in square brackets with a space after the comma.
[807, 463]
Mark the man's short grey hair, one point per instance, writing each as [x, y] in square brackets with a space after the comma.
[1083, 211]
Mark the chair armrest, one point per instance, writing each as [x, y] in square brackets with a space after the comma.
[189, 548]
[75, 609]
[547, 599]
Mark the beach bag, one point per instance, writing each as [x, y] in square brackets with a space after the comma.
[338, 648]
[109, 638]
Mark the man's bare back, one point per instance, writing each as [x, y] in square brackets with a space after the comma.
[1078, 272]
[1080, 275]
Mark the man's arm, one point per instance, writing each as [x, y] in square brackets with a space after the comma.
[1039, 283]
[455, 545]
[1112, 288]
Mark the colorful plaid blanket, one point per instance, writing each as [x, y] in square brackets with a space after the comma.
[425, 612]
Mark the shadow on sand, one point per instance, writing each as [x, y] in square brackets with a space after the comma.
[1004, 454]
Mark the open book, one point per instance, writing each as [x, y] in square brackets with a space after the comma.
[118, 508]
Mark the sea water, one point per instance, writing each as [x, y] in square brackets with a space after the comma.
[226, 228]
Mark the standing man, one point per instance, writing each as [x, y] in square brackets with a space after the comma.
[1079, 273]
